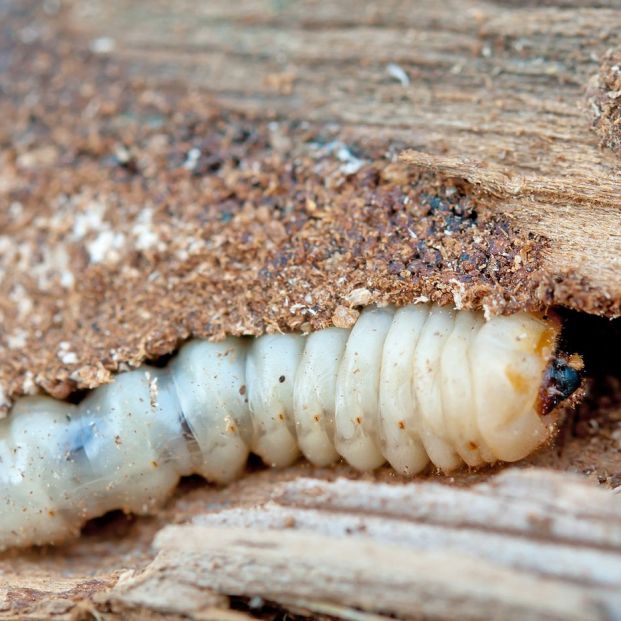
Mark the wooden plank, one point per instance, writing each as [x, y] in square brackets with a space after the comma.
[509, 549]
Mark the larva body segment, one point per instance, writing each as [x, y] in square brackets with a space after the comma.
[270, 373]
[427, 378]
[458, 393]
[357, 384]
[33, 473]
[413, 385]
[207, 379]
[314, 394]
[399, 416]
[123, 449]
[507, 355]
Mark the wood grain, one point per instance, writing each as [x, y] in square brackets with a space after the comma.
[529, 544]
[491, 92]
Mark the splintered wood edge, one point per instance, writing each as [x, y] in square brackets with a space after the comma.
[581, 220]
[416, 551]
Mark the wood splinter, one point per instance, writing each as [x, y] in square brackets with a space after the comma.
[530, 544]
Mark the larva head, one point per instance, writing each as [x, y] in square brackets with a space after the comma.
[561, 374]
[562, 379]
[515, 365]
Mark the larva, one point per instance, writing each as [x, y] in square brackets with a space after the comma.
[410, 386]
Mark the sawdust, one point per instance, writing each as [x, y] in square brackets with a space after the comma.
[134, 217]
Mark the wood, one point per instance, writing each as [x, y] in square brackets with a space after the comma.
[586, 210]
[529, 544]
[180, 169]
[482, 101]
[490, 92]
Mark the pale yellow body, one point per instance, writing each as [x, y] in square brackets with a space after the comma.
[411, 386]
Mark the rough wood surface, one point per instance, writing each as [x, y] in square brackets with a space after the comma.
[460, 515]
[178, 169]
[501, 87]
[529, 544]
[605, 99]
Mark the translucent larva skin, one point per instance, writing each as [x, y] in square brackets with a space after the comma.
[410, 386]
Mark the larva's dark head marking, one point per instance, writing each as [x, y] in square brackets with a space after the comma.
[562, 379]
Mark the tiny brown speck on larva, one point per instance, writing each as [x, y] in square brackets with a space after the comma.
[412, 386]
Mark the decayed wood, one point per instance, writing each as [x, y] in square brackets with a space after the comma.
[487, 91]
[605, 99]
[169, 597]
[45, 597]
[529, 544]
[587, 210]
[176, 170]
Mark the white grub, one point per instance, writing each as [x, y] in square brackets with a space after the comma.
[412, 386]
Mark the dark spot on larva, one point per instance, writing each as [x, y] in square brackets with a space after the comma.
[154, 464]
[401, 424]
[562, 379]
[358, 420]
[316, 418]
[281, 379]
[281, 416]
[473, 446]
[242, 389]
